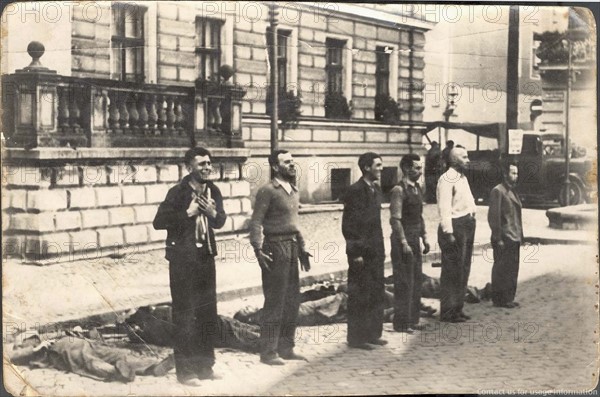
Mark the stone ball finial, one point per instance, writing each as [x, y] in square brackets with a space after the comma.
[35, 49]
[226, 71]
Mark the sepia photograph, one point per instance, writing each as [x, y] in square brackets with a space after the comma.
[258, 198]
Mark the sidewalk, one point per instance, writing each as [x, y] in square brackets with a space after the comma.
[72, 291]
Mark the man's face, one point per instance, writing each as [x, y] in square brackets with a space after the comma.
[513, 175]
[461, 159]
[200, 168]
[373, 172]
[415, 171]
[286, 167]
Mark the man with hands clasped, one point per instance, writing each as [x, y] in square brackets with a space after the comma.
[275, 216]
[189, 213]
[408, 228]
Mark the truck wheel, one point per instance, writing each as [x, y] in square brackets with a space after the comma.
[576, 194]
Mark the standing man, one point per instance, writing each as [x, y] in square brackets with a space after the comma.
[361, 226]
[455, 235]
[408, 228]
[445, 156]
[432, 171]
[190, 212]
[276, 213]
[504, 217]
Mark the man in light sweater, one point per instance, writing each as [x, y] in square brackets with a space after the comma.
[276, 214]
[455, 235]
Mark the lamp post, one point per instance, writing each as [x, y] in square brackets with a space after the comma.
[273, 14]
[450, 107]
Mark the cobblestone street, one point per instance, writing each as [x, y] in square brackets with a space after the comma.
[547, 343]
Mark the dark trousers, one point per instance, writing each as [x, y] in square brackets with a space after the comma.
[281, 289]
[456, 265]
[505, 271]
[366, 295]
[193, 290]
[408, 270]
[430, 187]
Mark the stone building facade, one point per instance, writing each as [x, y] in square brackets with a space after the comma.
[94, 136]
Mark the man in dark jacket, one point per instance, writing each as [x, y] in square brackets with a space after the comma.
[190, 212]
[504, 217]
[361, 226]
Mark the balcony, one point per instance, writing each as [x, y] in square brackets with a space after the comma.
[44, 109]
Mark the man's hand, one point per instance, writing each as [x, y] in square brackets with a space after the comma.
[193, 209]
[304, 257]
[406, 250]
[358, 261]
[207, 206]
[264, 260]
[426, 246]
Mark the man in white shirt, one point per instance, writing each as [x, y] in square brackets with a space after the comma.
[455, 235]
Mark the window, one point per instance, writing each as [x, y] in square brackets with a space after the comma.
[382, 74]
[283, 37]
[334, 66]
[128, 42]
[340, 181]
[389, 179]
[208, 48]
[535, 61]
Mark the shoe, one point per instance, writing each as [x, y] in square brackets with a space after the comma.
[293, 356]
[272, 361]
[507, 305]
[406, 330]
[417, 327]
[193, 382]
[207, 373]
[378, 342]
[363, 346]
[516, 303]
[454, 319]
[463, 315]
[429, 311]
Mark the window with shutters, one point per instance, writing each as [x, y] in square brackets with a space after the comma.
[127, 42]
[208, 48]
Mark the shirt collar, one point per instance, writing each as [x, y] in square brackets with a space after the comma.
[288, 187]
[454, 173]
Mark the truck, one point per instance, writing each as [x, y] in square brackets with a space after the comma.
[541, 162]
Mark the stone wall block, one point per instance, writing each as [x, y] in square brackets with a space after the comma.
[47, 200]
[121, 216]
[94, 175]
[42, 222]
[108, 196]
[48, 248]
[146, 174]
[84, 240]
[133, 194]
[120, 173]
[82, 197]
[225, 188]
[16, 199]
[136, 234]
[94, 218]
[145, 213]
[240, 222]
[67, 220]
[26, 176]
[156, 193]
[110, 237]
[232, 206]
[240, 189]
[168, 173]
[68, 175]
[246, 205]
